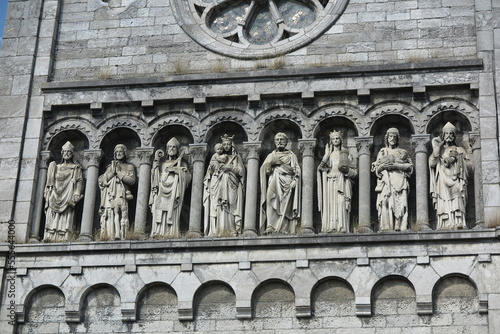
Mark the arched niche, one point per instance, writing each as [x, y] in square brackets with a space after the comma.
[214, 301]
[160, 140]
[131, 140]
[333, 297]
[394, 296]
[180, 132]
[157, 302]
[291, 129]
[464, 127]
[77, 138]
[456, 294]
[44, 309]
[273, 299]
[378, 131]
[101, 309]
[81, 143]
[232, 129]
[322, 136]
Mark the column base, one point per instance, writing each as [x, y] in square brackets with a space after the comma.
[249, 233]
[34, 239]
[424, 227]
[194, 235]
[307, 230]
[364, 229]
[84, 237]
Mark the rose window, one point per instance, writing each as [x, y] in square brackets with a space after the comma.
[256, 28]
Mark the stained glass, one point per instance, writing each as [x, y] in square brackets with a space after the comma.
[228, 18]
[262, 28]
[296, 14]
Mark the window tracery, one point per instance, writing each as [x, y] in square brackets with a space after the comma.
[256, 28]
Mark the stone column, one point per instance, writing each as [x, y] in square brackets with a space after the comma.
[92, 159]
[198, 154]
[364, 145]
[143, 187]
[252, 188]
[422, 176]
[40, 188]
[307, 147]
[475, 141]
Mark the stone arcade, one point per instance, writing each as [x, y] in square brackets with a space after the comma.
[245, 166]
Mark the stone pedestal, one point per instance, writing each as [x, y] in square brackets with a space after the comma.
[198, 154]
[307, 147]
[364, 145]
[143, 188]
[251, 204]
[422, 176]
[92, 159]
[42, 179]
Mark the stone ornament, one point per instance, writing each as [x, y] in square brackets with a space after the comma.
[256, 29]
[223, 194]
[280, 181]
[115, 186]
[169, 181]
[63, 190]
[393, 168]
[336, 173]
[449, 168]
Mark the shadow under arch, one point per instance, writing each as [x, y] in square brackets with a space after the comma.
[287, 126]
[76, 137]
[169, 131]
[392, 294]
[275, 298]
[455, 293]
[379, 130]
[214, 300]
[230, 128]
[464, 127]
[333, 296]
[157, 301]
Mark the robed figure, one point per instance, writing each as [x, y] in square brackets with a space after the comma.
[62, 192]
[169, 181]
[336, 173]
[280, 182]
[449, 168]
[115, 186]
[223, 194]
[393, 168]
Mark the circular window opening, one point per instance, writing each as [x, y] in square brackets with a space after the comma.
[250, 29]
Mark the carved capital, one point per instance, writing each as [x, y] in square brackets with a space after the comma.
[364, 145]
[44, 158]
[307, 147]
[253, 149]
[198, 152]
[144, 154]
[475, 140]
[92, 158]
[420, 143]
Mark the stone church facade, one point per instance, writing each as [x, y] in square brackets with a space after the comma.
[141, 72]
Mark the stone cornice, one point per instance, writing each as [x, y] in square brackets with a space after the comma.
[428, 66]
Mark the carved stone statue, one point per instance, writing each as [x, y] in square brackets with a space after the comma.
[449, 167]
[280, 189]
[62, 191]
[169, 181]
[336, 172]
[223, 191]
[393, 167]
[115, 186]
